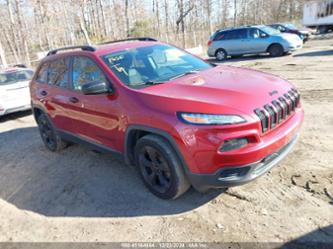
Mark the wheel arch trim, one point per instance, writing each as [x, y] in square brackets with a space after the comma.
[274, 43]
[129, 135]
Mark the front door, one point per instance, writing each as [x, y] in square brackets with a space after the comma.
[258, 41]
[94, 118]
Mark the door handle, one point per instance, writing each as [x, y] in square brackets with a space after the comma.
[73, 100]
[43, 93]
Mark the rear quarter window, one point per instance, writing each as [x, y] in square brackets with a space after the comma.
[219, 36]
[42, 73]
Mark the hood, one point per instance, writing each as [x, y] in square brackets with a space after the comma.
[292, 38]
[222, 89]
[304, 32]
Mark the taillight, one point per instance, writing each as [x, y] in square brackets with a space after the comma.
[209, 43]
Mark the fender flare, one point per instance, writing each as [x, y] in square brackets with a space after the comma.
[162, 133]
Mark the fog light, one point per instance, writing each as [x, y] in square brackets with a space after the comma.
[234, 173]
[233, 144]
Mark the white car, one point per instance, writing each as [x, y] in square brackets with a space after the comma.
[14, 90]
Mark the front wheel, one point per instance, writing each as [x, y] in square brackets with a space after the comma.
[160, 167]
[323, 30]
[275, 50]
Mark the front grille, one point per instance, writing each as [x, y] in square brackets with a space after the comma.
[278, 110]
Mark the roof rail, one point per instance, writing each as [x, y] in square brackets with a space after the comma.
[83, 47]
[130, 39]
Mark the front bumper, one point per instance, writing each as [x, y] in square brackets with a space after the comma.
[234, 176]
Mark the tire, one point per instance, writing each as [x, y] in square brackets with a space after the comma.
[160, 167]
[237, 56]
[323, 29]
[51, 139]
[221, 55]
[275, 50]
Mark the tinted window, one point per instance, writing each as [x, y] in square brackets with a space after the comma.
[291, 26]
[269, 30]
[59, 72]
[281, 28]
[16, 76]
[219, 36]
[42, 74]
[254, 33]
[85, 71]
[236, 34]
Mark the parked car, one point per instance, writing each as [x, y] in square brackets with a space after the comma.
[14, 89]
[181, 120]
[251, 40]
[304, 34]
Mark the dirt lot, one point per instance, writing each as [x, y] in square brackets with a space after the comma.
[78, 195]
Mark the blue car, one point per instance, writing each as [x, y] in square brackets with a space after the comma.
[251, 40]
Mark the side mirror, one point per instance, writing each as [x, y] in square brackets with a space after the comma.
[263, 35]
[95, 87]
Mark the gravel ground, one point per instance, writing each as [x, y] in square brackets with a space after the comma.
[78, 195]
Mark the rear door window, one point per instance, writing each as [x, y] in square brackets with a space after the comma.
[236, 34]
[59, 73]
[242, 34]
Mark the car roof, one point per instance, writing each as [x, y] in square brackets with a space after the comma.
[114, 47]
[101, 49]
[240, 27]
[13, 69]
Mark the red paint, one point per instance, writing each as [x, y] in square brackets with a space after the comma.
[220, 90]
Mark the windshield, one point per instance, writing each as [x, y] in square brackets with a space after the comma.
[290, 26]
[152, 64]
[270, 30]
[13, 77]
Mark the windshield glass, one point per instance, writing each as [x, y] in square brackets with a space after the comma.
[152, 64]
[270, 30]
[290, 26]
[14, 77]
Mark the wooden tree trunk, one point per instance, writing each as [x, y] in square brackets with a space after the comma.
[2, 56]
[235, 12]
[166, 16]
[128, 33]
[22, 32]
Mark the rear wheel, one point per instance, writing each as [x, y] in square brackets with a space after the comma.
[221, 55]
[49, 136]
[275, 50]
[160, 167]
[323, 29]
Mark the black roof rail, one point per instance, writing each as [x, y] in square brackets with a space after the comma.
[20, 65]
[130, 39]
[82, 47]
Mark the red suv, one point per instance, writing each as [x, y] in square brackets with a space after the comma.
[181, 120]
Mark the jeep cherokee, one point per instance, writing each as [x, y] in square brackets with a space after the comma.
[181, 120]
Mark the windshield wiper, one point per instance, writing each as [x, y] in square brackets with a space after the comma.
[151, 82]
[184, 74]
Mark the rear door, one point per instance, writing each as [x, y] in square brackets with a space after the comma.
[58, 92]
[235, 41]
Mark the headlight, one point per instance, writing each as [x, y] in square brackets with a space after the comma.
[210, 119]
